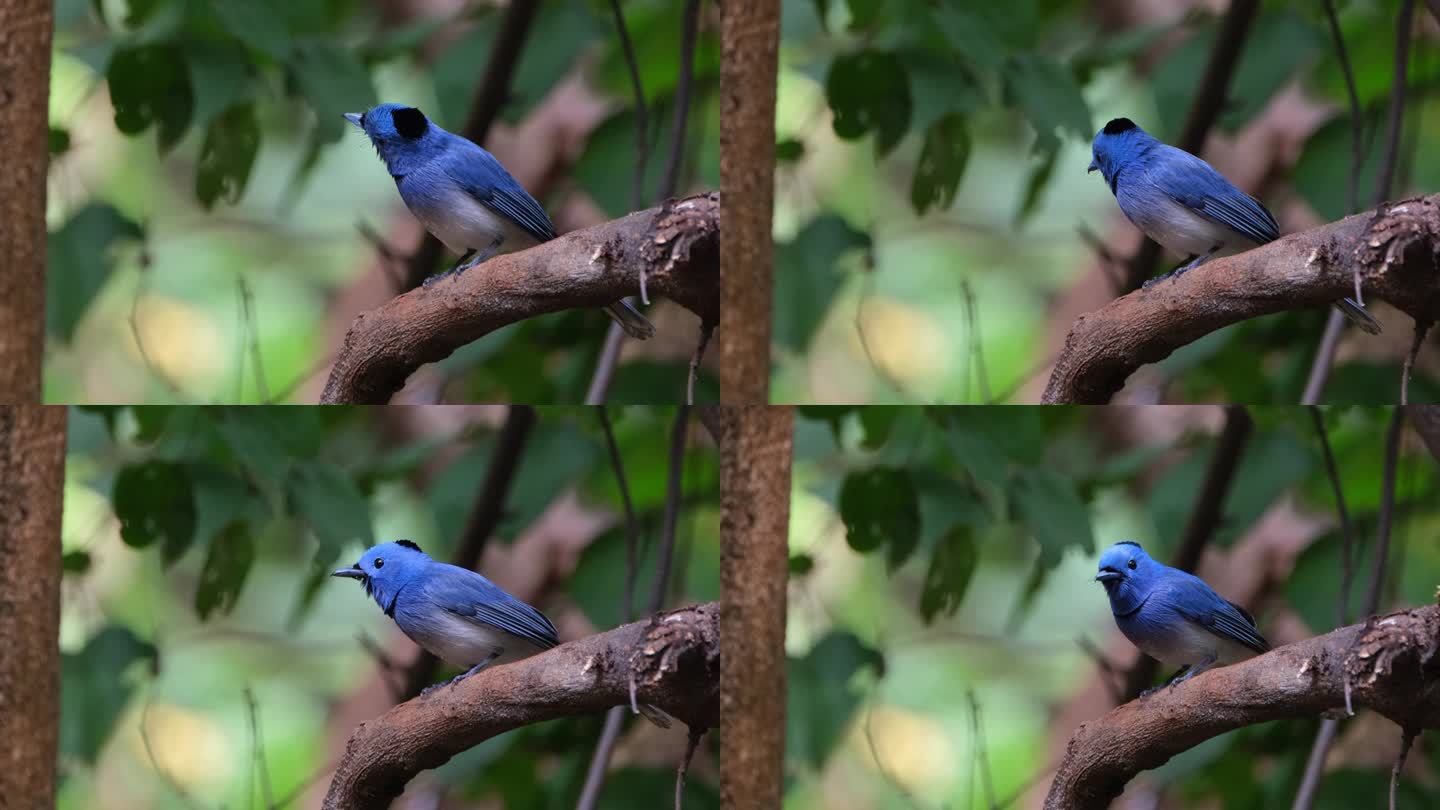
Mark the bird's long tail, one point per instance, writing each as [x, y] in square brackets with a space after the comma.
[655, 715]
[630, 319]
[1358, 315]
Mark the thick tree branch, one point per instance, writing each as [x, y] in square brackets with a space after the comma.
[676, 246]
[673, 663]
[1394, 249]
[1390, 664]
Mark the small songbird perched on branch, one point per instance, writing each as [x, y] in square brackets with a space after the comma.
[1173, 616]
[1181, 202]
[463, 196]
[457, 615]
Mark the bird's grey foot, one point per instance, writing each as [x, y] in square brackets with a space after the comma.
[1180, 675]
[475, 257]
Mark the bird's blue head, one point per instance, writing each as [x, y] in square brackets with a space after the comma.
[1120, 142]
[1128, 574]
[386, 569]
[402, 135]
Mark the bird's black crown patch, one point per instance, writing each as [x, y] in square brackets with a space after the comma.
[407, 544]
[410, 122]
[1121, 543]
[1119, 125]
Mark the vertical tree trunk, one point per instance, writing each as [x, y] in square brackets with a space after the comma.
[32, 478]
[750, 33]
[755, 449]
[25, 131]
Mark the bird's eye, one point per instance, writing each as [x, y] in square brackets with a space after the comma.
[380, 563]
[1131, 564]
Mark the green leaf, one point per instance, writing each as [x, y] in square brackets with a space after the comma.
[806, 277]
[228, 154]
[1035, 184]
[801, 564]
[155, 503]
[261, 24]
[221, 75]
[788, 150]
[1046, 501]
[78, 264]
[334, 82]
[820, 698]
[951, 567]
[332, 505]
[880, 507]
[150, 84]
[942, 164]
[878, 421]
[94, 691]
[1049, 96]
[221, 498]
[232, 553]
[265, 439]
[75, 562]
[59, 140]
[968, 32]
[869, 92]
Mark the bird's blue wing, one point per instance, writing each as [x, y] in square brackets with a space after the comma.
[481, 176]
[471, 596]
[1198, 602]
[1194, 184]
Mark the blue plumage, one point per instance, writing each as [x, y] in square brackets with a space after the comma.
[462, 194]
[1180, 201]
[1172, 615]
[456, 614]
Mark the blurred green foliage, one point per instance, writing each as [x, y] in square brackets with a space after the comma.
[247, 190]
[978, 533]
[950, 139]
[198, 547]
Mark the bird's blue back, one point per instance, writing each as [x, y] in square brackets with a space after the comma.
[469, 595]
[429, 164]
[1152, 597]
[1138, 168]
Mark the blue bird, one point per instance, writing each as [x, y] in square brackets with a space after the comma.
[457, 615]
[1180, 201]
[1172, 615]
[463, 196]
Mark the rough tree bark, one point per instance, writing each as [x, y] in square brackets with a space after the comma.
[25, 29]
[755, 450]
[1390, 664]
[676, 247]
[671, 660]
[1395, 250]
[750, 36]
[32, 478]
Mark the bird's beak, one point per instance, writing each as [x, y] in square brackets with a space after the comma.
[1093, 167]
[353, 572]
[1103, 576]
[354, 118]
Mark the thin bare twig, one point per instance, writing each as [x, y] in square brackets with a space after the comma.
[1113, 679]
[1335, 322]
[978, 729]
[1407, 736]
[1387, 509]
[1205, 108]
[491, 96]
[689, 32]
[1204, 518]
[1421, 327]
[1347, 529]
[706, 330]
[632, 523]
[690, 746]
[485, 515]
[672, 506]
[253, 713]
[1386, 175]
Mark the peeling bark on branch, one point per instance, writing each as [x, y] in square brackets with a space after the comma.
[676, 246]
[1395, 249]
[673, 661]
[1390, 664]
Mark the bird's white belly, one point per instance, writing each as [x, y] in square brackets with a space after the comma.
[1191, 644]
[464, 644]
[464, 224]
[1185, 232]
